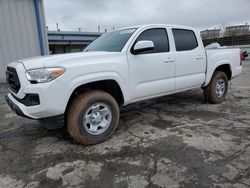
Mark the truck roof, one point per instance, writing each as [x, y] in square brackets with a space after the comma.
[160, 25]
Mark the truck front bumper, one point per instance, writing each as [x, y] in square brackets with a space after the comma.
[35, 101]
[14, 107]
[50, 101]
[40, 111]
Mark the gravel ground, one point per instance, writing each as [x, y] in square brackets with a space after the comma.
[173, 141]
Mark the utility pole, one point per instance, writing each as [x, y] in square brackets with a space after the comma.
[57, 26]
[99, 29]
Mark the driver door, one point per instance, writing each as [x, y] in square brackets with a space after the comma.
[152, 72]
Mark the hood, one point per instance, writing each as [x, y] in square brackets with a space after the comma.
[64, 59]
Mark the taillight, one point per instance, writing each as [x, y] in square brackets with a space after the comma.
[241, 58]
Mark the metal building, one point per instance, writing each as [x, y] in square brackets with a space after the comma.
[238, 30]
[210, 34]
[22, 31]
[70, 41]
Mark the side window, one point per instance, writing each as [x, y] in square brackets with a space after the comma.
[159, 38]
[184, 39]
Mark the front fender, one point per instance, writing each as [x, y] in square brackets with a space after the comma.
[93, 77]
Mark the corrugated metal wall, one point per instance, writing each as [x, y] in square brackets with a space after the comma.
[19, 36]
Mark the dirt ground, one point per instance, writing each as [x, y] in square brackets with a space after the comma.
[173, 141]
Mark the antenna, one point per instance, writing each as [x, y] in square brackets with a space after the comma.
[57, 27]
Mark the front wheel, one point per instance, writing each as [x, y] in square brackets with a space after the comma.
[92, 117]
[217, 89]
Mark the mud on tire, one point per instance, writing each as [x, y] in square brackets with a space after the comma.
[90, 112]
[214, 92]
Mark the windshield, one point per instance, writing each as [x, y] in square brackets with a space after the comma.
[111, 42]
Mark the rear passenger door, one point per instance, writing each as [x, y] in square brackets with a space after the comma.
[190, 59]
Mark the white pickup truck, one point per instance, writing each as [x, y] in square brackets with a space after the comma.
[119, 68]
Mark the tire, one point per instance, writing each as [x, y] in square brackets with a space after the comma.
[93, 116]
[213, 94]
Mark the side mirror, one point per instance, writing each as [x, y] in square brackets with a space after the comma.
[143, 46]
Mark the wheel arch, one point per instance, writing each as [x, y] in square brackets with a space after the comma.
[110, 86]
[223, 67]
[226, 68]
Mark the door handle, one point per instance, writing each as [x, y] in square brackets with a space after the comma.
[170, 60]
[199, 58]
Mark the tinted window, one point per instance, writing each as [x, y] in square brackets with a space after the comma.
[184, 39]
[159, 38]
[111, 42]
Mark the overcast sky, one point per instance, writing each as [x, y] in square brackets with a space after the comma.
[88, 14]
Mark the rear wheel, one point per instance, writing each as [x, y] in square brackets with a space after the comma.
[217, 89]
[92, 117]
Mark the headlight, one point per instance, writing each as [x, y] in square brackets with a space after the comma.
[44, 74]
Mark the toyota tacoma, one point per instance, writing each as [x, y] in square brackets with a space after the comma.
[119, 68]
